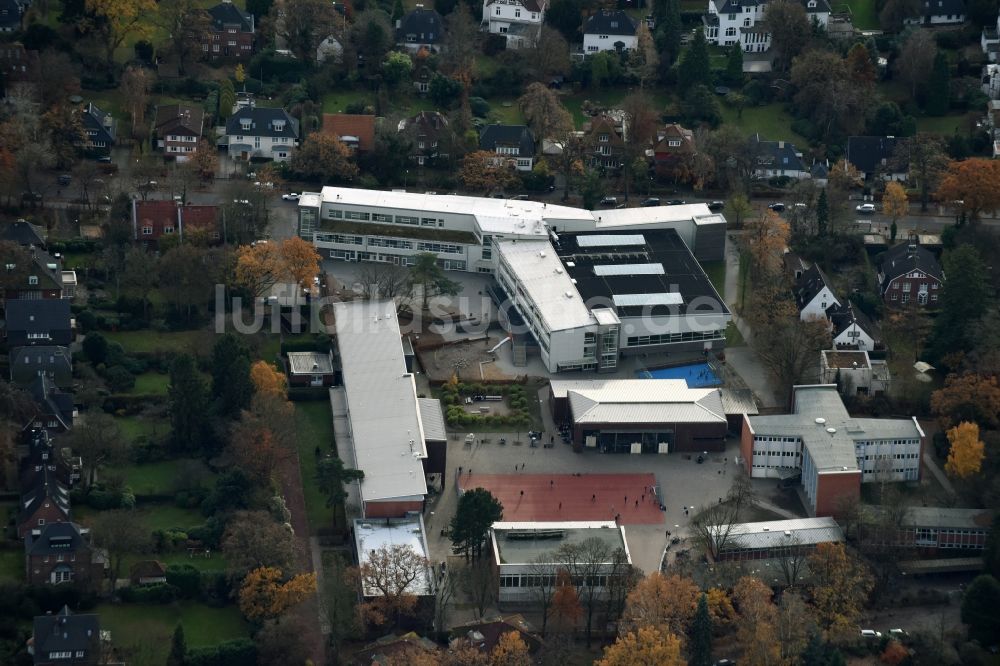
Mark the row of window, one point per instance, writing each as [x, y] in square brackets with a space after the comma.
[766, 452]
[690, 336]
[396, 243]
[600, 580]
[345, 239]
[898, 456]
[360, 216]
[66, 655]
[439, 247]
[769, 438]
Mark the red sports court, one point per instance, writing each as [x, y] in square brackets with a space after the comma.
[554, 497]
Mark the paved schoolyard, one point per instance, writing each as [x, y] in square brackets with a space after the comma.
[584, 497]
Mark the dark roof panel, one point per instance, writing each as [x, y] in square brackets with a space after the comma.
[607, 22]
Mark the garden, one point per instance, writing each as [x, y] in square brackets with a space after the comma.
[490, 406]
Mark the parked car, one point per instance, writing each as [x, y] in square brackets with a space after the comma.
[676, 202]
[777, 207]
[650, 202]
[519, 197]
[870, 633]
[716, 206]
[609, 201]
[898, 633]
[291, 196]
[866, 208]
[104, 158]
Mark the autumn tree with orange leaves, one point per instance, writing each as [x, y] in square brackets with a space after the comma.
[267, 379]
[766, 237]
[757, 624]
[266, 595]
[392, 576]
[262, 265]
[840, 587]
[510, 650]
[301, 259]
[665, 602]
[967, 397]
[972, 185]
[965, 457]
[483, 170]
[648, 646]
[566, 607]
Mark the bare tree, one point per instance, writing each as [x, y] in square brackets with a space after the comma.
[391, 577]
[590, 564]
[119, 534]
[478, 582]
[99, 441]
[713, 526]
[447, 586]
[791, 557]
[378, 280]
[542, 582]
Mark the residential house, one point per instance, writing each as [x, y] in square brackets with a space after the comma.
[605, 134]
[42, 456]
[17, 64]
[154, 219]
[514, 548]
[28, 363]
[429, 131]
[854, 372]
[520, 21]
[61, 553]
[178, 128]
[609, 30]
[813, 294]
[730, 21]
[404, 648]
[673, 144]
[10, 15]
[356, 131]
[795, 265]
[939, 12]
[310, 369]
[421, 77]
[38, 322]
[419, 29]
[148, 572]
[909, 273]
[990, 82]
[484, 635]
[231, 32]
[54, 409]
[874, 157]
[852, 329]
[330, 49]
[67, 638]
[820, 173]
[101, 130]
[990, 41]
[777, 159]
[44, 501]
[262, 133]
[513, 142]
[41, 280]
[24, 234]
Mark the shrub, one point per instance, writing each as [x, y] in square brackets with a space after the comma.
[160, 593]
[229, 653]
[479, 106]
[186, 579]
[95, 347]
[119, 379]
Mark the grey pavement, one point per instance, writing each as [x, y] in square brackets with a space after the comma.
[317, 564]
[938, 474]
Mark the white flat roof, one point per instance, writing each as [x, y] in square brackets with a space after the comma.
[772, 534]
[626, 300]
[382, 405]
[310, 363]
[628, 269]
[610, 240]
[639, 401]
[523, 542]
[651, 215]
[541, 274]
[372, 534]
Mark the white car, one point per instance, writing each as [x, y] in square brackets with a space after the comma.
[291, 196]
[866, 208]
[870, 633]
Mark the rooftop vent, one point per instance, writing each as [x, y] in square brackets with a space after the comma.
[541, 254]
[820, 421]
[558, 271]
[568, 294]
[788, 533]
[832, 431]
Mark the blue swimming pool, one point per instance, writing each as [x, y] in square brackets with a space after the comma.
[697, 375]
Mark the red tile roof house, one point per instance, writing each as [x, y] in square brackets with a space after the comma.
[357, 132]
[152, 220]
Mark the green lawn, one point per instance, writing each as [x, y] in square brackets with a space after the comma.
[733, 336]
[157, 341]
[771, 121]
[11, 564]
[159, 478]
[864, 13]
[214, 562]
[151, 383]
[145, 630]
[608, 98]
[315, 428]
[944, 125]
[505, 115]
[160, 516]
[336, 102]
[134, 427]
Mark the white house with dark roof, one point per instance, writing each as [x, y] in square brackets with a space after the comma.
[730, 21]
[421, 28]
[813, 294]
[520, 21]
[609, 30]
[778, 158]
[259, 132]
[875, 156]
[852, 329]
[939, 12]
[513, 143]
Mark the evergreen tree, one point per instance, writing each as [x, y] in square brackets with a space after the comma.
[734, 66]
[938, 98]
[822, 213]
[189, 401]
[893, 230]
[227, 98]
[477, 510]
[695, 67]
[701, 635]
[398, 11]
[231, 384]
[818, 653]
[668, 33]
[991, 556]
[965, 297]
[981, 609]
[178, 648]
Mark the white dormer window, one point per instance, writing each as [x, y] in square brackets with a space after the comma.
[497, 11]
[517, 13]
[245, 124]
[278, 125]
[32, 279]
[812, 4]
[168, 230]
[614, 24]
[674, 143]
